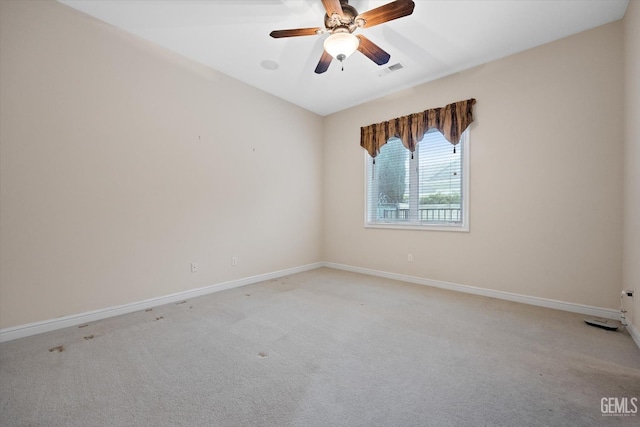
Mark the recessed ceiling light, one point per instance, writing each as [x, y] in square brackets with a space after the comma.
[268, 64]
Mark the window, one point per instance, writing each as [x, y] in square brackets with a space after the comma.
[428, 191]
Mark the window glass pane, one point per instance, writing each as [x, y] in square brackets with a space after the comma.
[389, 187]
[440, 180]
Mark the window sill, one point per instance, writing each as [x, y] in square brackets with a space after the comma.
[391, 226]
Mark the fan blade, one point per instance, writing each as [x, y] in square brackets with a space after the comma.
[372, 50]
[296, 32]
[333, 6]
[388, 12]
[323, 65]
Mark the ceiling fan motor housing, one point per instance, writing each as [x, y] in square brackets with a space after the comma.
[347, 21]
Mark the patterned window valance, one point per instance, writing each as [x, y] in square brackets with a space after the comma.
[451, 121]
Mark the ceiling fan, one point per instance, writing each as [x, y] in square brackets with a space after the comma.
[340, 21]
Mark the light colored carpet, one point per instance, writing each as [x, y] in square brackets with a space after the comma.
[322, 348]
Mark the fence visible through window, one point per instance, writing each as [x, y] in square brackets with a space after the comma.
[390, 212]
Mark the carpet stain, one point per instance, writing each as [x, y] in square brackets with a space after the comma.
[148, 309]
[160, 317]
[261, 354]
[83, 326]
[58, 349]
[248, 295]
[89, 337]
[180, 302]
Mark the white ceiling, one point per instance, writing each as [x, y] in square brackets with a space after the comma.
[441, 37]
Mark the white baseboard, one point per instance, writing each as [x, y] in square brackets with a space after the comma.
[634, 334]
[588, 310]
[22, 331]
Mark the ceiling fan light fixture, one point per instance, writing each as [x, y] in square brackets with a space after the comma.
[341, 45]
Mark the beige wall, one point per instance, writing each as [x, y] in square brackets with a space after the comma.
[121, 163]
[631, 269]
[546, 169]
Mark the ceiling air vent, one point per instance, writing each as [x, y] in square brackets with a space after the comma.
[390, 69]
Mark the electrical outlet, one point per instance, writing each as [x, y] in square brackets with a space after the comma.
[234, 261]
[410, 257]
[194, 267]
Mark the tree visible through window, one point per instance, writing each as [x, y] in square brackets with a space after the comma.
[392, 173]
[424, 190]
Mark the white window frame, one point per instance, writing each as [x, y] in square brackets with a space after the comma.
[463, 226]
